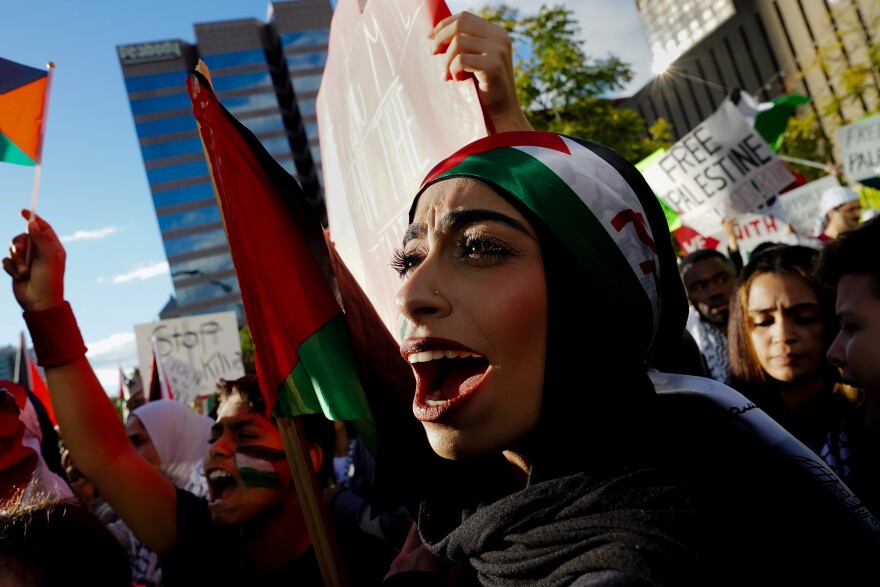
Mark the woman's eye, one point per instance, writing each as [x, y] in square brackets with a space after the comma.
[763, 323]
[806, 319]
[484, 249]
[404, 262]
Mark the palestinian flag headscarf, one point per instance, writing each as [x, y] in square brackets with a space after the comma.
[615, 296]
[600, 209]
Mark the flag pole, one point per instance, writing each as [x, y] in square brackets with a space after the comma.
[311, 499]
[804, 162]
[39, 162]
[51, 66]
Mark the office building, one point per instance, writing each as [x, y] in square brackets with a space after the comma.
[267, 74]
[760, 46]
[8, 357]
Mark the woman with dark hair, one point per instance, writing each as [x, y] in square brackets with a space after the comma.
[782, 325]
[575, 463]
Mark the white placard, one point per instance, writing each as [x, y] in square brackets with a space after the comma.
[800, 207]
[721, 169]
[859, 143]
[196, 351]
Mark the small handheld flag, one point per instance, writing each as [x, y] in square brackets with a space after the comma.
[24, 93]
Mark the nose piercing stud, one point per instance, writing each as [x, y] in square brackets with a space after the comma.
[436, 293]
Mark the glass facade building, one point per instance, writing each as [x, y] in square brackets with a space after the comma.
[766, 48]
[267, 74]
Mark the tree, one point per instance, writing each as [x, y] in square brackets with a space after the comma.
[563, 90]
[855, 87]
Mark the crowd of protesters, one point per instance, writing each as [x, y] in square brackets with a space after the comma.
[542, 338]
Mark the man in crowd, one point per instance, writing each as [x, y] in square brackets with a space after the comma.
[851, 263]
[839, 210]
[709, 278]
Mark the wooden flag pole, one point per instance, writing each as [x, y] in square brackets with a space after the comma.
[312, 500]
[39, 161]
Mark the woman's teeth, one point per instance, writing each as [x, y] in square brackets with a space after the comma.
[425, 356]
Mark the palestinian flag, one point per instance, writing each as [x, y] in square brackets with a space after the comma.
[22, 101]
[320, 346]
[769, 119]
[28, 376]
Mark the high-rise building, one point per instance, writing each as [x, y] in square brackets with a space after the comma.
[765, 47]
[8, 357]
[267, 74]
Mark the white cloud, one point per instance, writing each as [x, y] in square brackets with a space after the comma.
[142, 273]
[84, 235]
[110, 345]
[108, 354]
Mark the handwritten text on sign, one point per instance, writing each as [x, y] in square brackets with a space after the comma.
[721, 169]
[859, 143]
[196, 351]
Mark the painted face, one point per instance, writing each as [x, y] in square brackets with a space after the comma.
[141, 441]
[708, 284]
[786, 328]
[856, 350]
[475, 300]
[246, 467]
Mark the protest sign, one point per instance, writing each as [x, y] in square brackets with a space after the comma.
[721, 169]
[859, 144]
[751, 230]
[800, 207]
[196, 351]
[385, 118]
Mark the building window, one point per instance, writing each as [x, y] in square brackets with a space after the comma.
[177, 172]
[183, 195]
[171, 149]
[166, 126]
[208, 215]
[195, 242]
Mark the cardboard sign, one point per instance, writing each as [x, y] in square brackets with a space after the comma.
[800, 207]
[385, 118]
[859, 143]
[721, 169]
[196, 351]
[750, 230]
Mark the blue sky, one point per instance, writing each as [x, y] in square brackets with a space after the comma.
[93, 187]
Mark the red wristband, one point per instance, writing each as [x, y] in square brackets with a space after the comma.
[55, 334]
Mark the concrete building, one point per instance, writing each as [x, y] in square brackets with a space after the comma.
[766, 47]
[267, 74]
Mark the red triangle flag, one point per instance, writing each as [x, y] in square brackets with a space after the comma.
[29, 377]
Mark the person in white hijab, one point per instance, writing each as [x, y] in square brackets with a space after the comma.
[174, 438]
[839, 210]
[179, 435]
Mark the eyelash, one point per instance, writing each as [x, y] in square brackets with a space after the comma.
[483, 250]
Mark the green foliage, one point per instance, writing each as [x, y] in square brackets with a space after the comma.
[247, 351]
[563, 90]
[853, 86]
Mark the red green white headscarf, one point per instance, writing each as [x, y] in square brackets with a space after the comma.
[596, 203]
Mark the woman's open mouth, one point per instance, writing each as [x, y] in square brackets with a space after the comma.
[444, 378]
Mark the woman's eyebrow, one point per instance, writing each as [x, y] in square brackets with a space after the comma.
[459, 218]
[414, 231]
